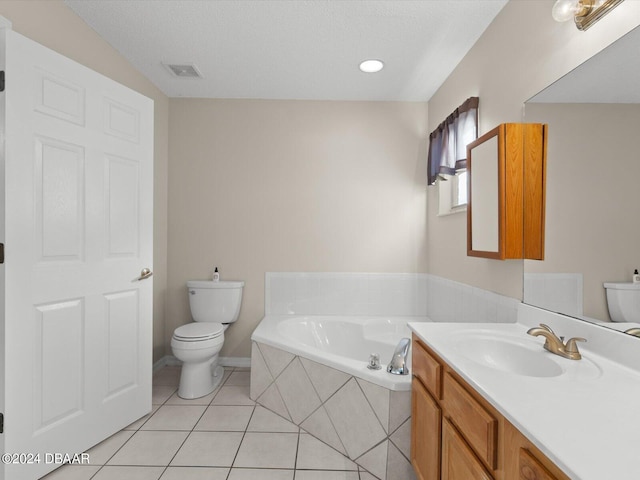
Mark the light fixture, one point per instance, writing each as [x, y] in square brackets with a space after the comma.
[371, 66]
[584, 12]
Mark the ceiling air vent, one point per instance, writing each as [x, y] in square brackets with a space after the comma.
[183, 70]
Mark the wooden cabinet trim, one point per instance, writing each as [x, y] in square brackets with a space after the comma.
[521, 452]
[425, 433]
[530, 468]
[427, 369]
[459, 462]
[478, 426]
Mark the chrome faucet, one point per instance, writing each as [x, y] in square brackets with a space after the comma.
[398, 363]
[556, 344]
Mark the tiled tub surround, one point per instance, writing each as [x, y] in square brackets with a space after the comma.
[384, 294]
[367, 423]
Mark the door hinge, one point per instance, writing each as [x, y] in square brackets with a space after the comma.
[1, 80]
[1, 422]
[1, 257]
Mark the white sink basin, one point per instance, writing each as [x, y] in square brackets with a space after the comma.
[510, 355]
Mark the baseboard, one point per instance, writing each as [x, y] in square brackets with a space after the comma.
[240, 362]
[171, 361]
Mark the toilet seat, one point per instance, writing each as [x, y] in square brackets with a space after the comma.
[198, 331]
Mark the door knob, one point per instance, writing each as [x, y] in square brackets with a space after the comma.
[145, 273]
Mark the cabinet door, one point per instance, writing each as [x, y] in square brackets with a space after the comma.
[458, 460]
[506, 192]
[530, 468]
[426, 420]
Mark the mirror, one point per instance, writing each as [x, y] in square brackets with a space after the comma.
[484, 196]
[593, 183]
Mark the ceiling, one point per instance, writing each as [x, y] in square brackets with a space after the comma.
[611, 76]
[293, 49]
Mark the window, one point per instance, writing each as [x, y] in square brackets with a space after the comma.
[452, 194]
[459, 190]
[447, 160]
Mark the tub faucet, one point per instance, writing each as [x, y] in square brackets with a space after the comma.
[398, 363]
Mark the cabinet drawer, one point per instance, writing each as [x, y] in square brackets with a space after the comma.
[458, 461]
[478, 426]
[427, 369]
[530, 468]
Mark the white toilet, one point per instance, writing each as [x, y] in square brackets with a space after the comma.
[214, 305]
[623, 300]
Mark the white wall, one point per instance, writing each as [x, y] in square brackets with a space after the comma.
[521, 52]
[297, 186]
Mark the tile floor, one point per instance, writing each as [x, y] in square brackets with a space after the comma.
[223, 436]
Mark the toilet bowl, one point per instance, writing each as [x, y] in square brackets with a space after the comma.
[213, 305]
[623, 300]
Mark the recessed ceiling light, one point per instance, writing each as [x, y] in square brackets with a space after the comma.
[371, 66]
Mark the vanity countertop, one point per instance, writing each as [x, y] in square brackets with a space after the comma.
[585, 420]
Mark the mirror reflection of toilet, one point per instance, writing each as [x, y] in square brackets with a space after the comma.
[213, 305]
[623, 300]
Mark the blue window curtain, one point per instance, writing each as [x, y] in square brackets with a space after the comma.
[448, 142]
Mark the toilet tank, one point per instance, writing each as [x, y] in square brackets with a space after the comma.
[211, 301]
[623, 300]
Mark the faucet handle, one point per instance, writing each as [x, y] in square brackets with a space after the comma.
[571, 346]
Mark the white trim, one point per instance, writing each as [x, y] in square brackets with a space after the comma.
[240, 362]
[171, 361]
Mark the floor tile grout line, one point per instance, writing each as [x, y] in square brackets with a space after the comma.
[244, 434]
[295, 462]
[192, 430]
[194, 426]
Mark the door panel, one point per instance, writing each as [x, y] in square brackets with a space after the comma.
[59, 188]
[77, 224]
[122, 341]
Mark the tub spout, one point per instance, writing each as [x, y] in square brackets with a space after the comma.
[398, 363]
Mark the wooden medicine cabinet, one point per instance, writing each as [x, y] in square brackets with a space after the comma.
[506, 171]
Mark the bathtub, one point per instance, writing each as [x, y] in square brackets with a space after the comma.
[312, 370]
[341, 342]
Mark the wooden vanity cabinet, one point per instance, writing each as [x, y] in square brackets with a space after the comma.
[457, 435]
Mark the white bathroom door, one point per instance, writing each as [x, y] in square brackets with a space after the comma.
[76, 326]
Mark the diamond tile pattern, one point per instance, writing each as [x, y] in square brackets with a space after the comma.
[375, 460]
[260, 375]
[355, 418]
[297, 392]
[276, 359]
[272, 400]
[326, 380]
[319, 425]
[378, 398]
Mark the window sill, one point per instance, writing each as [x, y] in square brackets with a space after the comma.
[453, 211]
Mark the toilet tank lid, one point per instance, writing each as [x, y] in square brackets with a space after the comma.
[212, 284]
[622, 286]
